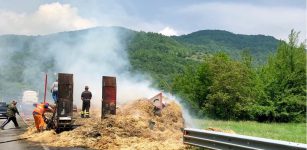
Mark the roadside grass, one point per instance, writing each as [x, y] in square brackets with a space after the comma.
[293, 132]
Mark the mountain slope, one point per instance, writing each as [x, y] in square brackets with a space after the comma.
[149, 53]
[260, 46]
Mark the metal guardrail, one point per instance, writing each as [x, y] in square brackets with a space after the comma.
[225, 141]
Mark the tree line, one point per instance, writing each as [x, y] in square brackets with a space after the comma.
[235, 89]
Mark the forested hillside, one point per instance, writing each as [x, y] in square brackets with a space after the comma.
[217, 73]
[260, 46]
[150, 53]
[159, 56]
[225, 88]
[25, 59]
[162, 56]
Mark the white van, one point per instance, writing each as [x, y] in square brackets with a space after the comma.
[30, 97]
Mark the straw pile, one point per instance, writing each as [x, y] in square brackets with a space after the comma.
[134, 127]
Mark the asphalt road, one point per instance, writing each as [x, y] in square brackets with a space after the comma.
[10, 140]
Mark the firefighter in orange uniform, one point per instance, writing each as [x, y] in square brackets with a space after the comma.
[38, 115]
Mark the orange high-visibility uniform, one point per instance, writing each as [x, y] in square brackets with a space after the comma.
[38, 116]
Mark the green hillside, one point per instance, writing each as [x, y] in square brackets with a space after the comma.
[153, 54]
[159, 56]
[217, 73]
[260, 46]
[174, 64]
[162, 56]
[233, 89]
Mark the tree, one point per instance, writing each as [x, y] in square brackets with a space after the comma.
[192, 85]
[285, 78]
[229, 95]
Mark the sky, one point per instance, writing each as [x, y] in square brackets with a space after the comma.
[171, 17]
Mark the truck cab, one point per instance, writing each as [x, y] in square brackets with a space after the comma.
[3, 109]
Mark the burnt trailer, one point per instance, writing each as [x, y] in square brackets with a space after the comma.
[64, 112]
[108, 96]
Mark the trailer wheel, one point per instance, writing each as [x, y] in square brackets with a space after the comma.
[58, 130]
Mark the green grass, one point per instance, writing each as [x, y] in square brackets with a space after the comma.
[294, 132]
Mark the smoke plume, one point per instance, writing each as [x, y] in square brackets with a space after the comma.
[97, 53]
[88, 55]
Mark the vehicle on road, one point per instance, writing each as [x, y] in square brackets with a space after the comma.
[30, 97]
[3, 109]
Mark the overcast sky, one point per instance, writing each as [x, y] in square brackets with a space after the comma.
[169, 17]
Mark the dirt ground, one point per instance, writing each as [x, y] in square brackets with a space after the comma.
[134, 127]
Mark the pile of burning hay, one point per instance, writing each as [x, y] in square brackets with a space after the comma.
[133, 127]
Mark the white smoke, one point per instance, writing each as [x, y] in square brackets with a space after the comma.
[99, 53]
[88, 55]
[189, 122]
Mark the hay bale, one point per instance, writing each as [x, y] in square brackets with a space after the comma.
[129, 129]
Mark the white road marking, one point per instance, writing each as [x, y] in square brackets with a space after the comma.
[45, 147]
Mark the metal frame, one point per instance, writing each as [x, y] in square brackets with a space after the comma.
[227, 141]
[65, 102]
[109, 89]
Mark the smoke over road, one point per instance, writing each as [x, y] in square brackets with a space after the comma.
[95, 54]
[89, 55]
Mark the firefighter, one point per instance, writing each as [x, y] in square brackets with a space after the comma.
[86, 97]
[38, 115]
[11, 111]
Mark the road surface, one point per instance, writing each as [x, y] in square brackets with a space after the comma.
[10, 140]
